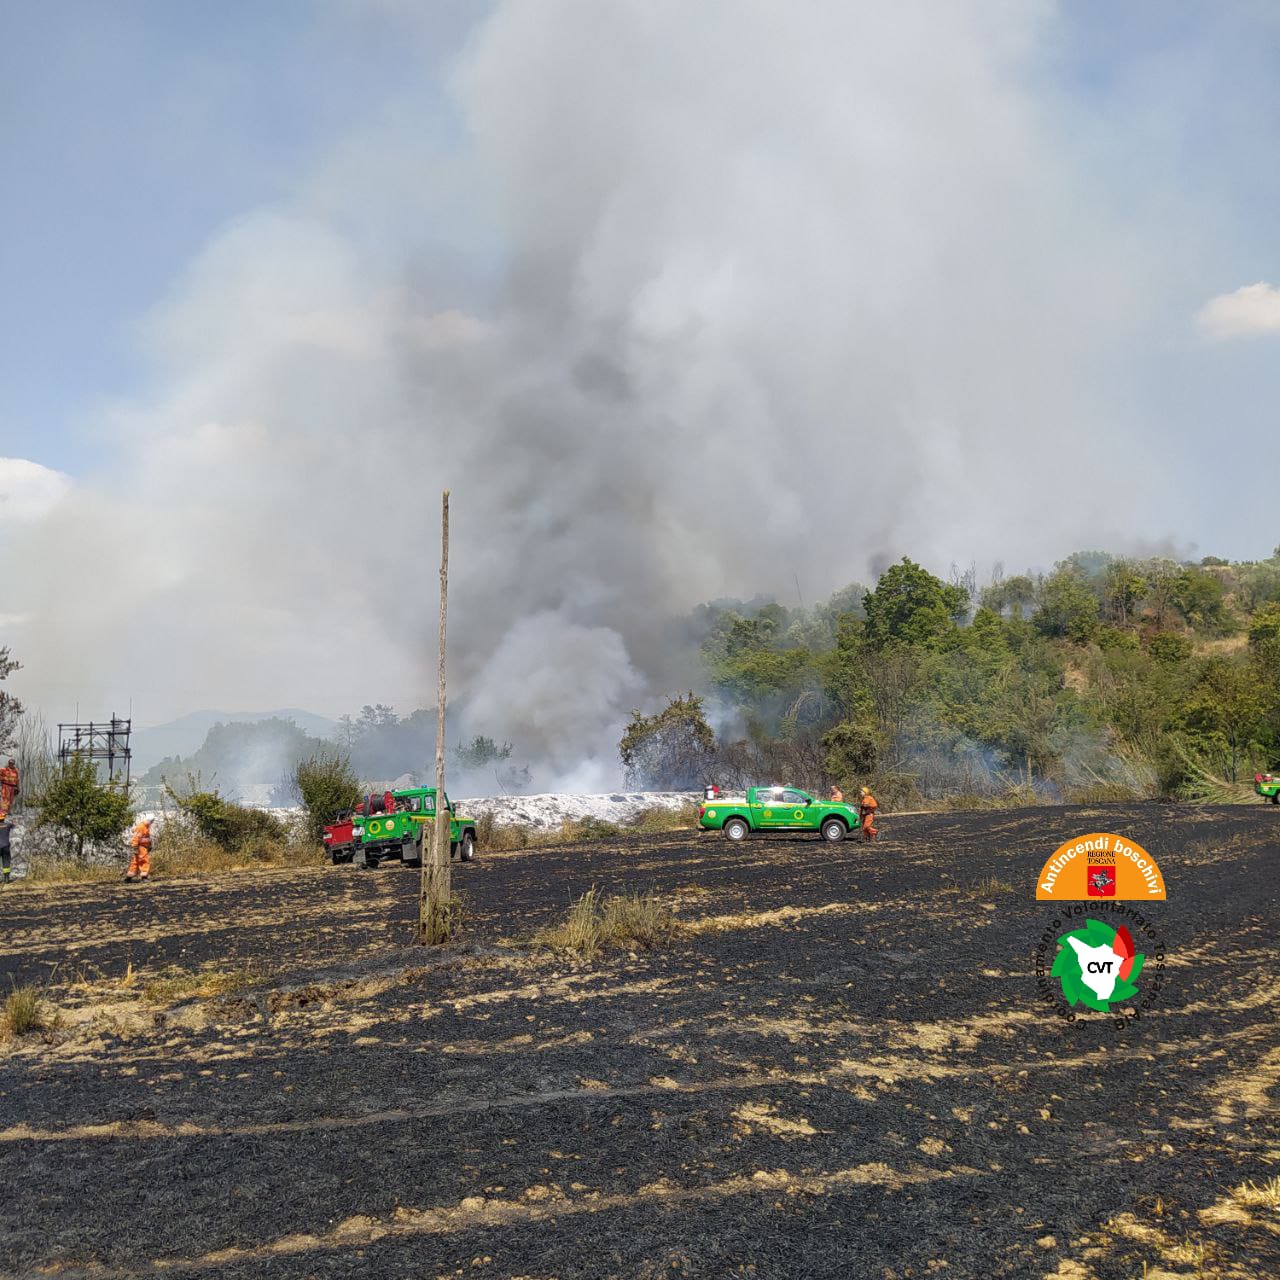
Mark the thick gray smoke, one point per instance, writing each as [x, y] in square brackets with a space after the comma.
[711, 297]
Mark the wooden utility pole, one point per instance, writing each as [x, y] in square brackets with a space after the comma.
[437, 892]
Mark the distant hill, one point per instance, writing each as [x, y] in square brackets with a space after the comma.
[185, 735]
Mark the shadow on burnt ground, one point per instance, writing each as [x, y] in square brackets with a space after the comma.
[865, 1084]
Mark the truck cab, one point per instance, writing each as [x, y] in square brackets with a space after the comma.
[399, 824]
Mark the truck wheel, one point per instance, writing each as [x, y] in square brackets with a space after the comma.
[833, 831]
[1275, 799]
[468, 851]
[736, 829]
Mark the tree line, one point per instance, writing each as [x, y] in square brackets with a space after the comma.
[1107, 677]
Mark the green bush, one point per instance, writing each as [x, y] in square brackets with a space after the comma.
[327, 786]
[232, 826]
[852, 752]
[88, 811]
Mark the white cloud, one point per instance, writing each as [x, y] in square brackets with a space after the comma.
[1250, 310]
[29, 491]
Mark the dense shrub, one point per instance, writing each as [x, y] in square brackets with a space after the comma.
[231, 826]
[326, 786]
[87, 810]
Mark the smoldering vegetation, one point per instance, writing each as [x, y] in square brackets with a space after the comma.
[1108, 678]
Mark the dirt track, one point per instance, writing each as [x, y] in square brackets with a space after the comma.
[841, 1070]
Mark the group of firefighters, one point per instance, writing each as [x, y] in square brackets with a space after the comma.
[867, 806]
[139, 838]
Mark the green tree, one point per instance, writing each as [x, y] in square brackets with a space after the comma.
[326, 785]
[852, 752]
[672, 750]
[1012, 596]
[481, 751]
[76, 803]
[1228, 704]
[1170, 648]
[1068, 608]
[10, 707]
[1123, 590]
[911, 606]
[1264, 630]
[1200, 596]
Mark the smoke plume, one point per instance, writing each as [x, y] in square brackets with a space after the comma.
[707, 300]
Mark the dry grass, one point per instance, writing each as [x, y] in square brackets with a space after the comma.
[1193, 1253]
[88, 981]
[662, 819]
[24, 1011]
[500, 837]
[47, 870]
[987, 887]
[1105, 793]
[1258, 1196]
[175, 983]
[491, 835]
[628, 921]
[180, 850]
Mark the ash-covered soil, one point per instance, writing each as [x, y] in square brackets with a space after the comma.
[840, 1069]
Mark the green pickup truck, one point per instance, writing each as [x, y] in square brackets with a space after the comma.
[778, 809]
[1267, 786]
[398, 824]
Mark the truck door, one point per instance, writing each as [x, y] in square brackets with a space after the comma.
[804, 813]
[793, 809]
[773, 811]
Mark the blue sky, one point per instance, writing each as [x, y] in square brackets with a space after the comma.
[130, 133]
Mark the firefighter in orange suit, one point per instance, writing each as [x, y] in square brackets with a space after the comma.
[140, 843]
[837, 796]
[867, 807]
[8, 793]
[8, 788]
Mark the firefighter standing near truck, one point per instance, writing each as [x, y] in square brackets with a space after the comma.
[837, 796]
[140, 843]
[867, 807]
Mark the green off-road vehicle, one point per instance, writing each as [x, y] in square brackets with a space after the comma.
[1268, 786]
[398, 824]
[778, 809]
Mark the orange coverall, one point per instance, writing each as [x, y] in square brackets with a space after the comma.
[8, 788]
[837, 796]
[868, 809]
[140, 842]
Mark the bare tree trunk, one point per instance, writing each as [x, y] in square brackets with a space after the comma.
[434, 909]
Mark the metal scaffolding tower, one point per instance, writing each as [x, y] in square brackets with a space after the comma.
[99, 741]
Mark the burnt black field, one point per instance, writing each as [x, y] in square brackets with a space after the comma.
[841, 1068]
